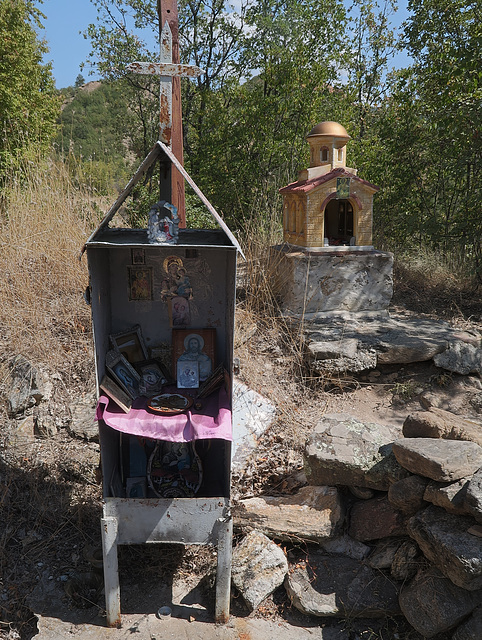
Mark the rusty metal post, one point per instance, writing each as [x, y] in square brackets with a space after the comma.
[223, 570]
[111, 571]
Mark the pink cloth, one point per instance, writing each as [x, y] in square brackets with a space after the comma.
[213, 420]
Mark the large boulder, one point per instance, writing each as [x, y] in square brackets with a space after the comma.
[437, 423]
[259, 567]
[313, 513]
[441, 460]
[445, 541]
[432, 604]
[460, 357]
[374, 519]
[322, 585]
[344, 451]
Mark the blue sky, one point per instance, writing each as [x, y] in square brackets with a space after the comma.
[68, 48]
[66, 19]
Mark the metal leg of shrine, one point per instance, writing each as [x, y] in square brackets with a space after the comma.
[111, 571]
[223, 571]
[196, 521]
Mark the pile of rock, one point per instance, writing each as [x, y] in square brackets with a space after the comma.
[395, 522]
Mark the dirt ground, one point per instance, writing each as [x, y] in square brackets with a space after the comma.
[50, 497]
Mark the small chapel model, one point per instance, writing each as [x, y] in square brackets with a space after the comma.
[329, 206]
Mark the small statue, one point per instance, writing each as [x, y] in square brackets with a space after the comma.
[163, 230]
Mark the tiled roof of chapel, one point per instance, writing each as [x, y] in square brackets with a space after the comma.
[303, 186]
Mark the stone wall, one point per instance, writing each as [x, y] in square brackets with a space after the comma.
[395, 523]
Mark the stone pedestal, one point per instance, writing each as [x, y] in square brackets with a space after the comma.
[344, 281]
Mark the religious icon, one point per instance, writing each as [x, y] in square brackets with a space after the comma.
[130, 344]
[343, 188]
[123, 373]
[153, 377]
[187, 374]
[176, 281]
[138, 256]
[194, 346]
[140, 283]
[163, 230]
[179, 312]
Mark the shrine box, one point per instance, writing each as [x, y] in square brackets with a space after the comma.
[116, 257]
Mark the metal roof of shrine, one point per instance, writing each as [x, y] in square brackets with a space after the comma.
[329, 128]
[160, 151]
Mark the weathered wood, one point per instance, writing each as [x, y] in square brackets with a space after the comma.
[165, 69]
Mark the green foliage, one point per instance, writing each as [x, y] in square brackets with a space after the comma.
[92, 133]
[429, 131]
[29, 104]
[275, 68]
[94, 122]
[249, 139]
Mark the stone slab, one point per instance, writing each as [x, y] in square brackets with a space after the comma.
[441, 460]
[317, 283]
[252, 416]
[437, 423]
[341, 450]
[445, 541]
[313, 513]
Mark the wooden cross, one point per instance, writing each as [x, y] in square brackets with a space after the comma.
[166, 69]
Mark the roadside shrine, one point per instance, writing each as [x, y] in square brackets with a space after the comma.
[163, 301]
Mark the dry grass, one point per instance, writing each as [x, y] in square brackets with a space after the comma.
[45, 220]
[426, 283]
[49, 503]
[48, 497]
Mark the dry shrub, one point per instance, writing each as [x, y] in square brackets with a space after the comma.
[260, 282]
[45, 220]
[425, 282]
[270, 347]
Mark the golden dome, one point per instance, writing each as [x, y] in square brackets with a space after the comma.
[329, 128]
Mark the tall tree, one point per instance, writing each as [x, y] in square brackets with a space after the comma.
[29, 104]
[373, 46]
[432, 129]
[287, 63]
